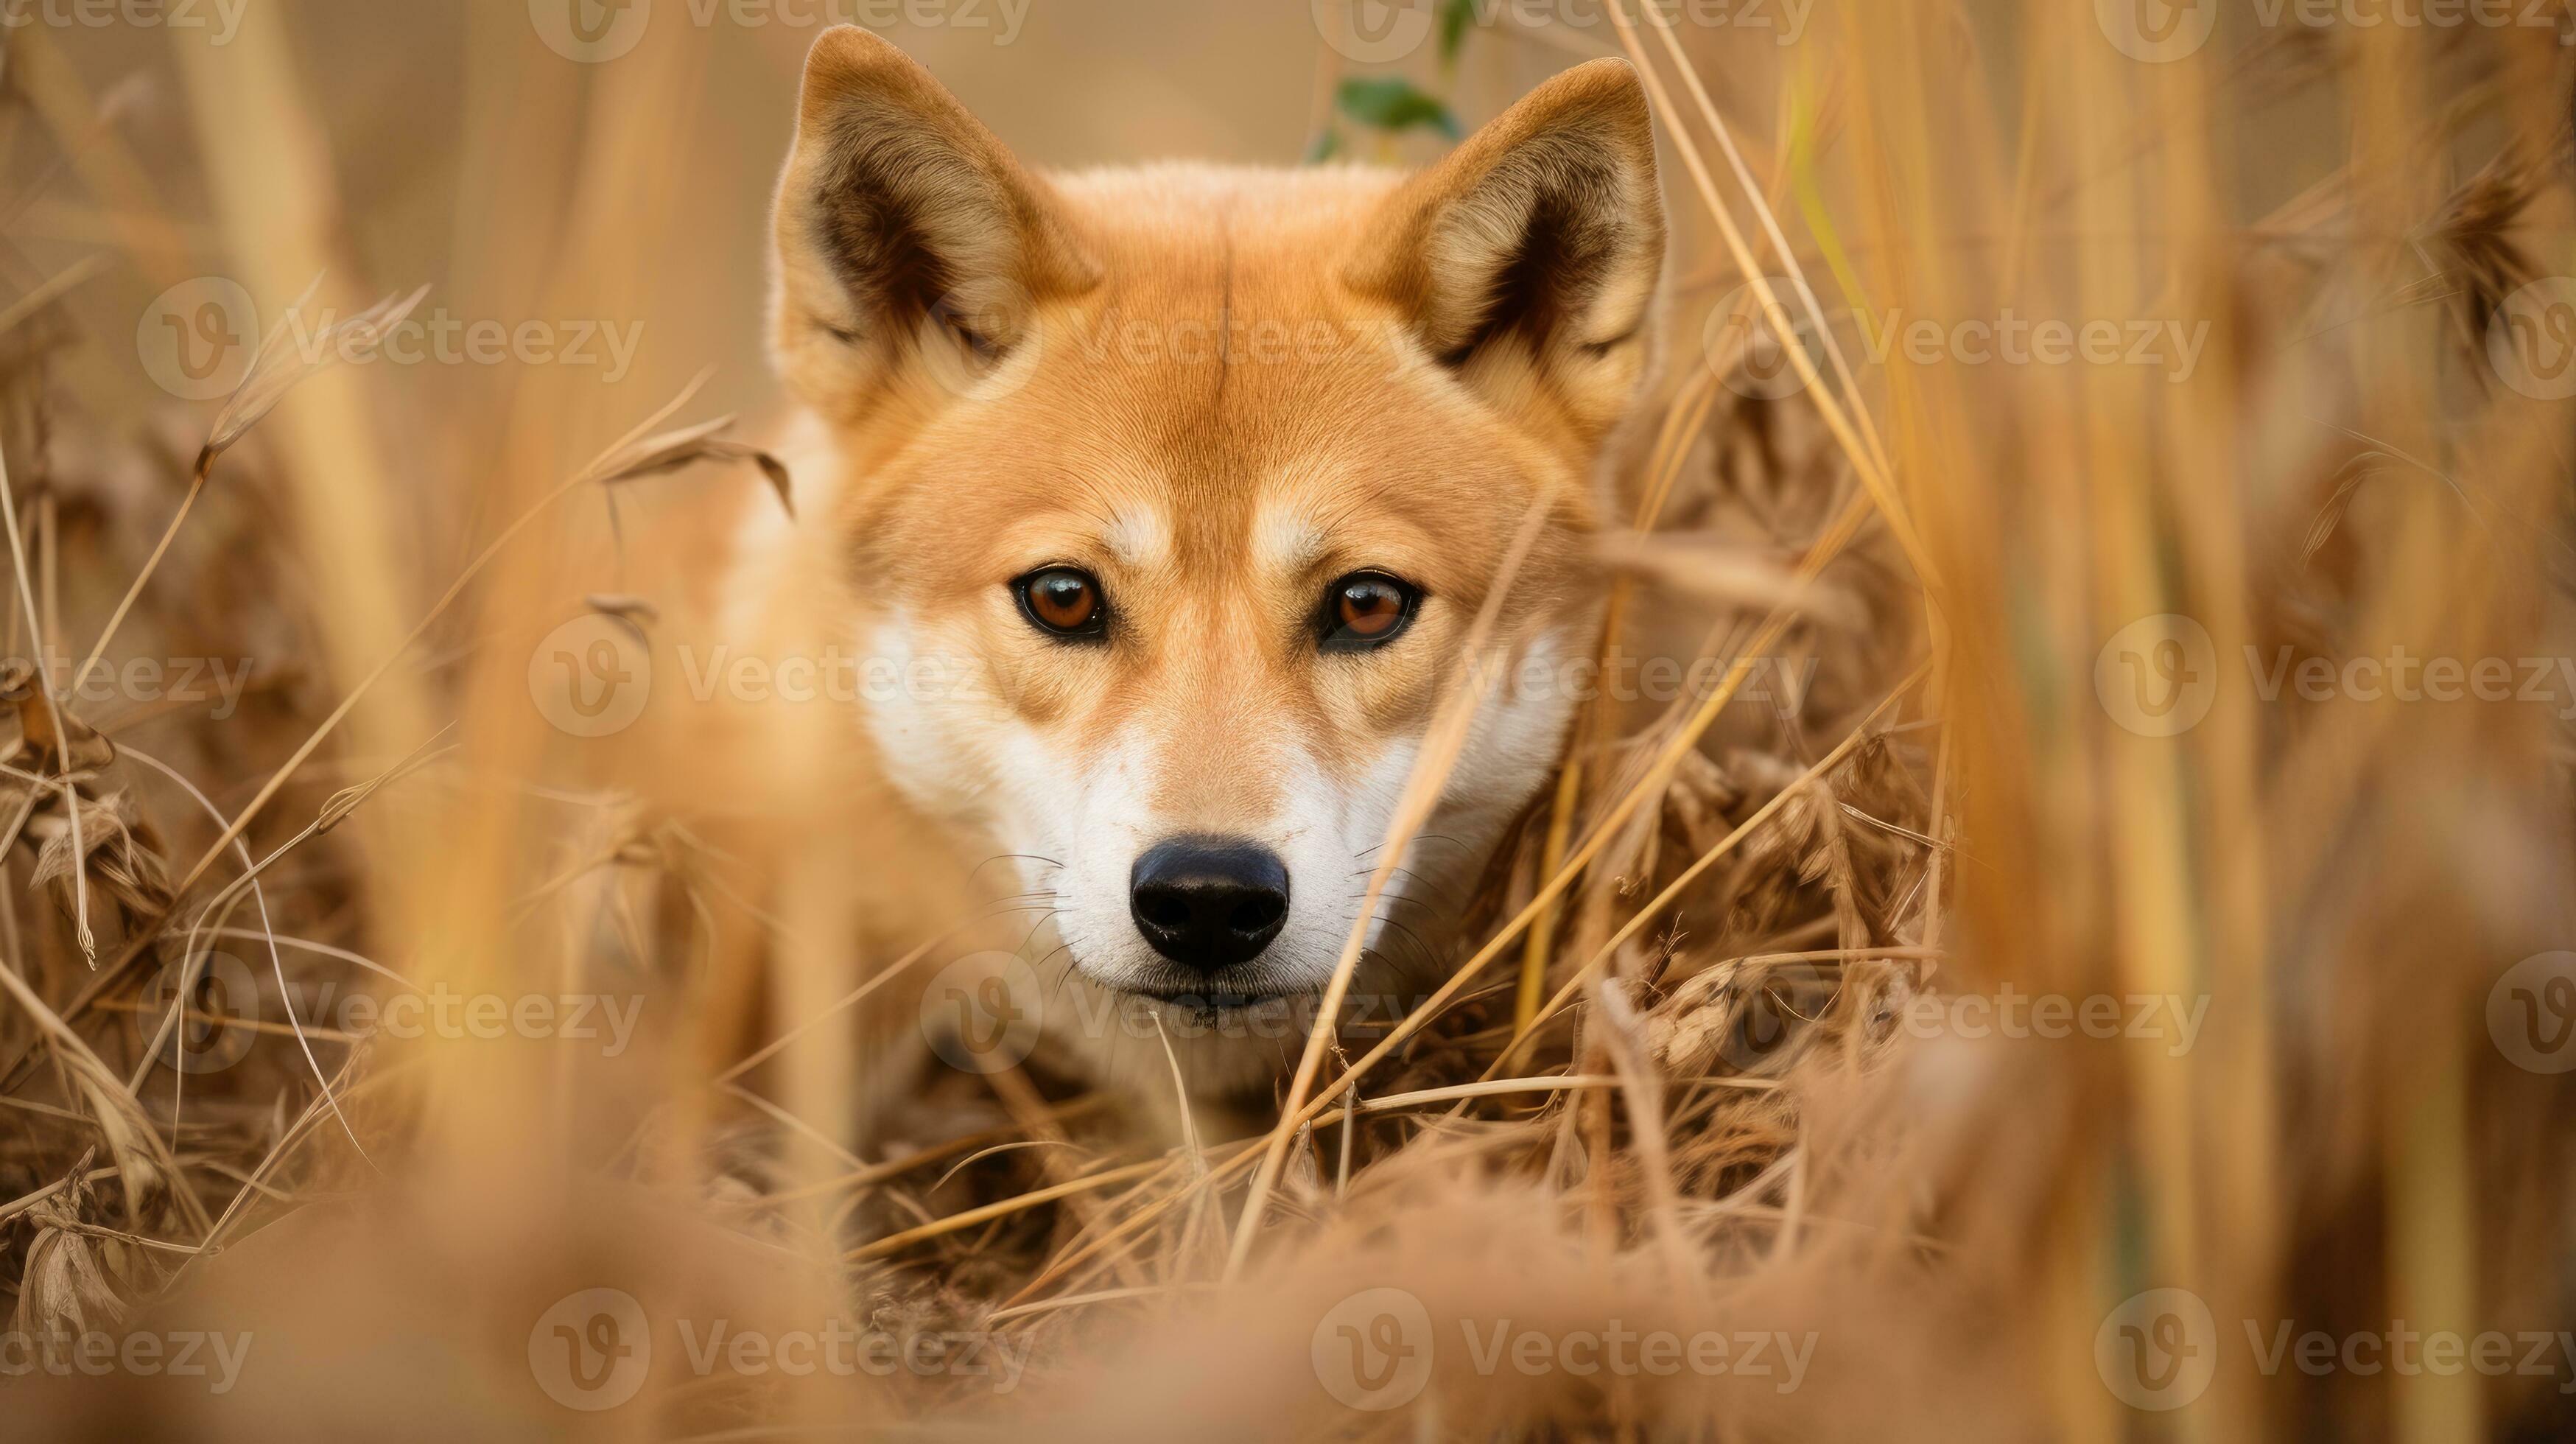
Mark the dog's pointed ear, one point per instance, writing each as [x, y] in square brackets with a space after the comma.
[906, 231]
[1531, 254]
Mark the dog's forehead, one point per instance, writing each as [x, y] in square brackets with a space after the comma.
[1220, 404]
[1220, 304]
[1238, 459]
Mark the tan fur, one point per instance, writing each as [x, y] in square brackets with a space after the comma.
[1216, 390]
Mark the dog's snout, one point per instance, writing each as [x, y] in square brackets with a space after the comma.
[1209, 902]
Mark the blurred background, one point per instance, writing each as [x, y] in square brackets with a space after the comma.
[2081, 727]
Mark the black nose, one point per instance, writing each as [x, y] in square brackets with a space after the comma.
[1209, 902]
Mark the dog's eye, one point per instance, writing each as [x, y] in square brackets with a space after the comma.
[1063, 601]
[1366, 609]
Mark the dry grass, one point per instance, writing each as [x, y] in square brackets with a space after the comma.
[1669, 1083]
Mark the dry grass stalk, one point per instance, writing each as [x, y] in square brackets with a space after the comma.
[1953, 812]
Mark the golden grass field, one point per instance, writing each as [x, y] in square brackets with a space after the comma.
[2099, 926]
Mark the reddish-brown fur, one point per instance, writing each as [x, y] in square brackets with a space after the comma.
[1215, 390]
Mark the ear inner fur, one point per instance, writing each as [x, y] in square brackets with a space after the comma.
[907, 206]
[1544, 230]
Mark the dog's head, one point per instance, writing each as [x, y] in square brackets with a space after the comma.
[1175, 491]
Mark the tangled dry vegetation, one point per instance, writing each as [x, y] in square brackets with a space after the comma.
[1670, 1082]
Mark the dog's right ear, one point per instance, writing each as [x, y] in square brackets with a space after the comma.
[1527, 261]
[907, 234]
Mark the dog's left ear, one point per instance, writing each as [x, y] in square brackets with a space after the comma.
[1530, 255]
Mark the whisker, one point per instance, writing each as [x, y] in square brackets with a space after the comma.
[1417, 879]
[1417, 837]
[1063, 979]
[1042, 921]
[1392, 899]
[1010, 857]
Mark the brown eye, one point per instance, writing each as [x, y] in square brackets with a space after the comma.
[1063, 601]
[1366, 609]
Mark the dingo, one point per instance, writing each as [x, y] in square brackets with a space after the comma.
[1153, 506]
